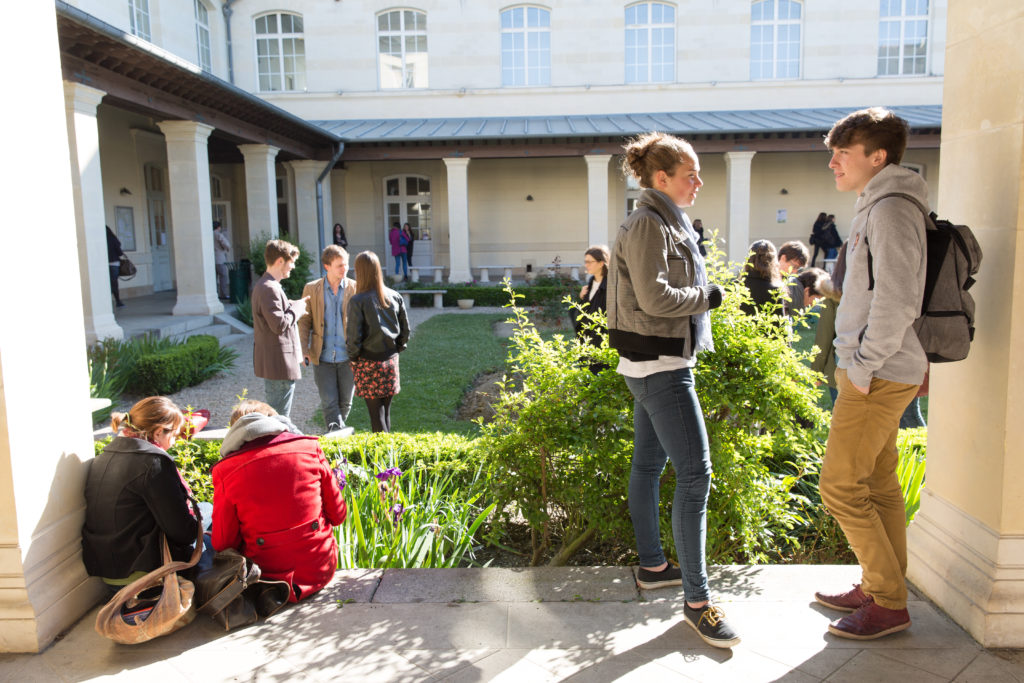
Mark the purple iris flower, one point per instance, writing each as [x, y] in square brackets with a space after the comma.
[339, 476]
[389, 473]
[396, 512]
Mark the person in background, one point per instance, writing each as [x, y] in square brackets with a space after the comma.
[811, 284]
[792, 257]
[114, 254]
[594, 294]
[817, 233]
[221, 256]
[134, 496]
[275, 499]
[398, 250]
[276, 350]
[831, 240]
[409, 243]
[762, 278]
[339, 237]
[658, 303]
[377, 330]
[698, 226]
[825, 333]
[322, 336]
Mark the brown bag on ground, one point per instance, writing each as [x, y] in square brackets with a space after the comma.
[233, 594]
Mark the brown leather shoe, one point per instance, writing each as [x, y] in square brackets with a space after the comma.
[844, 602]
[870, 621]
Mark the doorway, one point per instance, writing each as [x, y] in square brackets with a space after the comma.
[159, 228]
[407, 200]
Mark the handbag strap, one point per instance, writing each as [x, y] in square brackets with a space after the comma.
[250, 575]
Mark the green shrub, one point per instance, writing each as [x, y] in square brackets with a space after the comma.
[243, 311]
[912, 445]
[182, 365]
[301, 274]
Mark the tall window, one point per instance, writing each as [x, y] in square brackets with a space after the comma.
[280, 52]
[650, 43]
[203, 36]
[775, 39]
[903, 37]
[138, 18]
[402, 49]
[526, 46]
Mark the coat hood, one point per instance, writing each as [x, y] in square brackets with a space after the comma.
[254, 426]
[893, 178]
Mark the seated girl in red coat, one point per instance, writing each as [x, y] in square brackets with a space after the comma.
[275, 499]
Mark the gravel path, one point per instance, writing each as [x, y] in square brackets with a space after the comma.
[219, 394]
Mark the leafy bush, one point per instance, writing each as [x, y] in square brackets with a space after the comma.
[912, 445]
[182, 365]
[243, 311]
[301, 274]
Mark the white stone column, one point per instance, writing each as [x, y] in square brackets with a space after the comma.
[260, 189]
[737, 204]
[304, 234]
[188, 172]
[45, 426]
[597, 198]
[966, 544]
[458, 219]
[80, 102]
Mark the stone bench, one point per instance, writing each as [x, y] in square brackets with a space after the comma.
[438, 296]
[484, 275]
[414, 273]
[574, 268]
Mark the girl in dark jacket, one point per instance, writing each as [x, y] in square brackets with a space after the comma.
[762, 278]
[376, 332]
[134, 494]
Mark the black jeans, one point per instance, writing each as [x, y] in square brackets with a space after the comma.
[380, 413]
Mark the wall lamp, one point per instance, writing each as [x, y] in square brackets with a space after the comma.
[783, 191]
[529, 197]
[125, 192]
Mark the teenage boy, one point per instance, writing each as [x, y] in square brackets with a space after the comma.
[880, 365]
[322, 336]
[792, 258]
[276, 351]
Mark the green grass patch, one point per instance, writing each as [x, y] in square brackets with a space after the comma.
[446, 353]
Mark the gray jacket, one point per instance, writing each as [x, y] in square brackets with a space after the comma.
[874, 333]
[651, 292]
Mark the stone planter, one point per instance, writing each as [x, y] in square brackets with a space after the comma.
[464, 303]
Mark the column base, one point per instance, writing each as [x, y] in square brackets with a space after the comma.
[975, 575]
[460, 276]
[197, 304]
[102, 327]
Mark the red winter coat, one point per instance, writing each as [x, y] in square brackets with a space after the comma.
[274, 501]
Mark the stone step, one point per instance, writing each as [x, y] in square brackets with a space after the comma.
[218, 330]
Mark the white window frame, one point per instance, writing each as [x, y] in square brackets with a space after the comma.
[902, 24]
[405, 68]
[280, 40]
[203, 50]
[781, 29]
[526, 65]
[138, 19]
[644, 56]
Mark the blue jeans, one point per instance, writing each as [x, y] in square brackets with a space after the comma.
[668, 423]
[280, 393]
[400, 260]
[335, 383]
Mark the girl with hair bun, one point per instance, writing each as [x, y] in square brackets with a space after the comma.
[762, 277]
[658, 303]
[134, 495]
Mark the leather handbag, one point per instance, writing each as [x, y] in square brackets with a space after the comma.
[154, 605]
[127, 269]
[233, 594]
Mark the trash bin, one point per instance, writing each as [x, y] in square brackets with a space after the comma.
[239, 280]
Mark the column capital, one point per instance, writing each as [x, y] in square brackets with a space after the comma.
[257, 151]
[185, 131]
[456, 162]
[82, 98]
[306, 165]
[596, 159]
[739, 156]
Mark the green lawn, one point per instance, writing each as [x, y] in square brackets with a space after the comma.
[444, 356]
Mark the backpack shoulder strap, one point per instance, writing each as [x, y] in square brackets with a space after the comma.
[929, 219]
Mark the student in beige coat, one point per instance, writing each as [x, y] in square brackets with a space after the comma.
[322, 336]
[276, 351]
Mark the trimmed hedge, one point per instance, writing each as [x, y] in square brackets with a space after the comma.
[169, 370]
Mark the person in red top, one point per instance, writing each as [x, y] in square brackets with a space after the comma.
[275, 499]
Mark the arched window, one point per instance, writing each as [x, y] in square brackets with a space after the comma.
[775, 39]
[650, 43]
[138, 18]
[280, 52]
[203, 36]
[402, 48]
[903, 38]
[526, 46]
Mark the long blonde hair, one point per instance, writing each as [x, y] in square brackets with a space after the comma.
[370, 277]
[148, 416]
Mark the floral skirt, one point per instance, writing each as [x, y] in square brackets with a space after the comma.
[376, 378]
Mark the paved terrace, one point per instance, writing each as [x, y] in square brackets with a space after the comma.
[544, 624]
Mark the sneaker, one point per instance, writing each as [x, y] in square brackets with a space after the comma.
[849, 601]
[669, 576]
[870, 621]
[709, 623]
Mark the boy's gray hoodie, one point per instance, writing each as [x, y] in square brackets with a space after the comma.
[874, 333]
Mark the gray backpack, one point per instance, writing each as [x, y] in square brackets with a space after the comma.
[945, 327]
